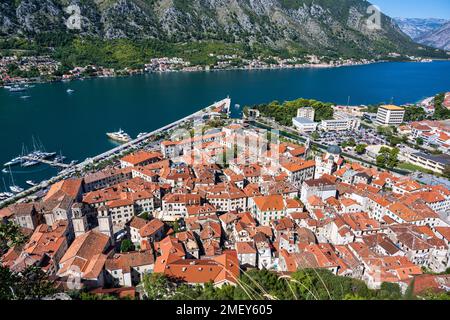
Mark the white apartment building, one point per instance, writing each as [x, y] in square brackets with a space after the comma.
[121, 211]
[435, 163]
[390, 115]
[341, 122]
[307, 113]
[304, 124]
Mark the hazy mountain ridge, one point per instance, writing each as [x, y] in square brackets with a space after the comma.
[338, 26]
[439, 38]
[418, 27]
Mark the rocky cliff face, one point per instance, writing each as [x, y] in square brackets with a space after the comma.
[337, 25]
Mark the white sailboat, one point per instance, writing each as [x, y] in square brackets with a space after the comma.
[14, 188]
[5, 195]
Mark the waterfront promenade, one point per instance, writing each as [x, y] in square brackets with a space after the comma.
[78, 168]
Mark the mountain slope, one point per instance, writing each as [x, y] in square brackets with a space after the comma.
[417, 27]
[335, 27]
[439, 38]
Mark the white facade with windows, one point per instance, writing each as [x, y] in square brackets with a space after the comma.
[390, 115]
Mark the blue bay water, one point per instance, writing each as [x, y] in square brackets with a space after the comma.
[76, 124]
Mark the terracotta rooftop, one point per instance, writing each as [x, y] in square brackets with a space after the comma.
[141, 157]
[126, 261]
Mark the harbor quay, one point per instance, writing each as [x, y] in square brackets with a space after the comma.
[74, 169]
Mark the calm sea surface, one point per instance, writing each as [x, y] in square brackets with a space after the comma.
[75, 124]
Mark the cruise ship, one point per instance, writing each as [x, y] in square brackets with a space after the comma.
[120, 136]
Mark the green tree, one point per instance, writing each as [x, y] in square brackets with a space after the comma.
[315, 135]
[419, 141]
[361, 148]
[8, 281]
[446, 171]
[440, 111]
[145, 215]
[436, 296]
[414, 113]
[126, 246]
[393, 158]
[10, 235]
[388, 158]
[31, 283]
[389, 291]
[396, 140]
[283, 113]
[176, 225]
[157, 286]
[350, 143]
[90, 296]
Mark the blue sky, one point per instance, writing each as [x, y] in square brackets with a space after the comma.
[415, 8]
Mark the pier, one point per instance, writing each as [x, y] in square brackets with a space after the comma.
[51, 163]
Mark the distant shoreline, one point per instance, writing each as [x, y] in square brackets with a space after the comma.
[296, 67]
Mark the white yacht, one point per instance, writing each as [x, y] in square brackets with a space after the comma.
[120, 136]
[69, 91]
[31, 183]
[41, 155]
[16, 189]
[140, 135]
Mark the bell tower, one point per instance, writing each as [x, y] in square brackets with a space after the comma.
[79, 220]
[105, 223]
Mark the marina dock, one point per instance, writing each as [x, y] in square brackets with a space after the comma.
[72, 169]
[49, 162]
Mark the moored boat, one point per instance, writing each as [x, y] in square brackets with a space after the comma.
[120, 136]
[31, 183]
[14, 161]
[27, 164]
[142, 134]
[16, 189]
[17, 89]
